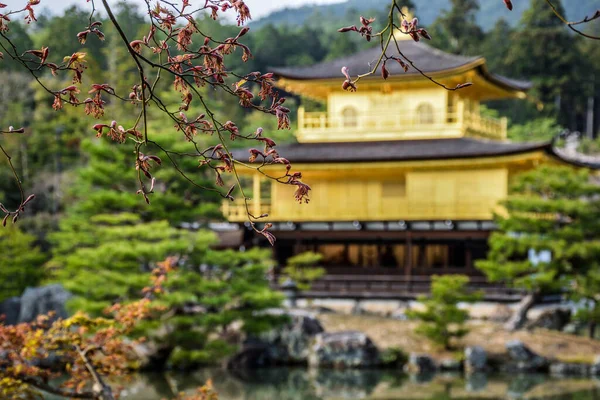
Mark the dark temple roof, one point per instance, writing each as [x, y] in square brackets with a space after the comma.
[399, 150]
[425, 57]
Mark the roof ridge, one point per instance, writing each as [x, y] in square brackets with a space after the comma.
[443, 53]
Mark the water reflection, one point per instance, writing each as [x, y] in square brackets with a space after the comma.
[302, 384]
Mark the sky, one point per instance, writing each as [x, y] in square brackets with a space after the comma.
[258, 8]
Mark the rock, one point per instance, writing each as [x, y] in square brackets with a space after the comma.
[10, 309]
[151, 356]
[595, 367]
[522, 359]
[290, 343]
[451, 365]
[42, 300]
[569, 369]
[347, 349]
[475, 359]
[555, 319]
[250, 357]
[420, 364]
[573, 327]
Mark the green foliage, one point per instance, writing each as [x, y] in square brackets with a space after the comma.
[456, 30]
[553, 209]
[585, 289]
[344, 13]
[109, 241]
[229, 289]
[108, 258]
[442, 320]
[394, 357]
[303, 270]
[589, 146]
[534, 130]
[542, 50]
[20, 262]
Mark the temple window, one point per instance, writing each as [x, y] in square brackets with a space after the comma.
[349, 117]
[424, 114]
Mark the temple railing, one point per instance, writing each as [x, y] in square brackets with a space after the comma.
[397, 287]
[237, 211]
[480, 125]
[399, 124]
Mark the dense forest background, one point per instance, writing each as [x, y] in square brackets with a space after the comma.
[86, 208]
[490, 11]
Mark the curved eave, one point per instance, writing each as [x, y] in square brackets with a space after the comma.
[511, 85]
[318, 87]
[577, 160]
[282, 74]
[415, 151]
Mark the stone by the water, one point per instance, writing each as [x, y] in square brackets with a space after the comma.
[346, 349]
[42, 300]
[10, 309]
[569, 369]
[420, 364]
[555, 318]
[523, 359]
[475, 359]
[290, 343]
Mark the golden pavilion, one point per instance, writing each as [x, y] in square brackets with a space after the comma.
[405, 174]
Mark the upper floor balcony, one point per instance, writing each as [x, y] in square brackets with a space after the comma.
[424, 122]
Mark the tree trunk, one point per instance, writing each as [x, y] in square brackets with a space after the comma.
[519, 317]
[592, 329]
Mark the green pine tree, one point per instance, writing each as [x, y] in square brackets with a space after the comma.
[109, 240]
[456, 30]
[303, 269]
[442, 320]
[543, 51]
[20, 261]
[553, 211]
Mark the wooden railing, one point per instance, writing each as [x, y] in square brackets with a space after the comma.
[486, 126]
[396, 287]
[236, 211]
[439, 122]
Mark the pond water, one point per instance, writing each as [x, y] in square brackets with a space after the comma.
[303, 384]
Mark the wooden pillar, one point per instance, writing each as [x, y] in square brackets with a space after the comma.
[361, 259]
[468, 256]
[408, 255]
[256, 195]
[460, 115]
[447, 255]
[346, 254]
[297, 247]
[503, 127]
[301, 124]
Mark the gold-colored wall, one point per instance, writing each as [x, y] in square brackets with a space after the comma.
[453, 194]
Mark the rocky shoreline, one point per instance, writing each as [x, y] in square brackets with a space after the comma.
[304, 341]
